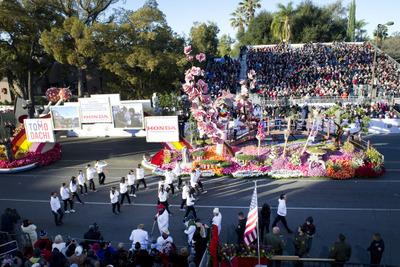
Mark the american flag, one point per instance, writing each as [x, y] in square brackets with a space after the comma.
[250, 233]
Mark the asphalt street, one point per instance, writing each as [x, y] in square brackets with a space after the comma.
[357, 207]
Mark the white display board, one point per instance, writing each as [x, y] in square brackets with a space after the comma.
[39, 130]
[162, 129]
[146, 103]
[95, 110]
[115, 99]
[128, 116]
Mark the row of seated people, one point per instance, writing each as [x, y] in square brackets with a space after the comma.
[318, 69]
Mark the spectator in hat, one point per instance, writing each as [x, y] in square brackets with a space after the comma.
[43, 237]
[165, 240]
[140, 236]
[162, 218]
[79, 257]
[217, 219]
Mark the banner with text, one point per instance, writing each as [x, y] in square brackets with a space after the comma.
[39, 130]
[95, 110]
[162, 129]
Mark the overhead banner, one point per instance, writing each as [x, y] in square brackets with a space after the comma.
[162, 129]
[65, 117]
[129, 116]
[94, 110]
[39, 130]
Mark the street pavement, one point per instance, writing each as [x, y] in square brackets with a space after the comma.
[358, 208]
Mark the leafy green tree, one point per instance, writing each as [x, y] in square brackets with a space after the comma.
[76, 41]
[360, 32]
[24, 61]
[351, 23]
[382, 33]
[259, 30]
[249, 7]
[312, 23]
[391, 46]
[280, 26]
[224, 45]
[203, 37]
[148, 57]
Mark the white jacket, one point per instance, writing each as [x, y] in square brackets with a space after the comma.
[193, 179]
[31, 231]
[190, 200]
[185, 191]
[123, 187]
[141, 236]
[114, 197]
[73, 187]
[169, 177]
[162, 196]
[90, 173]
[99, 166]
[55, 204]
[190, 232]
[164, 242]
[282, 207]
[131, 179]
[177, 169]
[81, 179]
[139, 173]
[64, 193]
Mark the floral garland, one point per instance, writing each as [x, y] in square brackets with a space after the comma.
[212, 249]
[346, 173]
[34, 157]
[227, 251]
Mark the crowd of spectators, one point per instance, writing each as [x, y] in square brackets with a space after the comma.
[319, 70]
[222, 74]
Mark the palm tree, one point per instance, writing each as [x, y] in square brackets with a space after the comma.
[382, 34]
[280, 26]
[361, 33]
[238, 19]
[249, 7]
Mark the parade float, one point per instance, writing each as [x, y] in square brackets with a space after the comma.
[322, 153]
[33, 142]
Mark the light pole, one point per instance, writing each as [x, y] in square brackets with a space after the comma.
[378, 28]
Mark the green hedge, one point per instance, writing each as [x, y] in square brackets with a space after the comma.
[199, 154]
[225, 164]
[247, 157]
[209, 162]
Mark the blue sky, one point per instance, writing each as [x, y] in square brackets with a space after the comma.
[181, 14]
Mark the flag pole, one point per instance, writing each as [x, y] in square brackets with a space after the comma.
[258, 231]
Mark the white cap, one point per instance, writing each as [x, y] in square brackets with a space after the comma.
[78, 251]
[165, 230]
[216, 210]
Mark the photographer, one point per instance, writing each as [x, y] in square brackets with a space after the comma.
[8, 220]
[93, 235]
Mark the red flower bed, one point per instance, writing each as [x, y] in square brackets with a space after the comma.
[33, 157]
[368, 171]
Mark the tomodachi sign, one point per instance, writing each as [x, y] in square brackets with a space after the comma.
[162, 129]
[39, 130]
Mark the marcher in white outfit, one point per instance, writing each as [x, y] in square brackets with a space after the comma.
[185, 191]
[82, 182]
[131, 182]
[178, 173]
[66, 194]
[169, 180]
[162, 218]
[123, 187]
[217, 219]
[90, 171]
[140, 177]
[114, 200]
[73, 187]
[163, 198]
[165, 240]
[99, 167]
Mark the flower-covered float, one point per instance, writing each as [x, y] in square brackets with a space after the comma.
[27, 155]
[327, 157]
